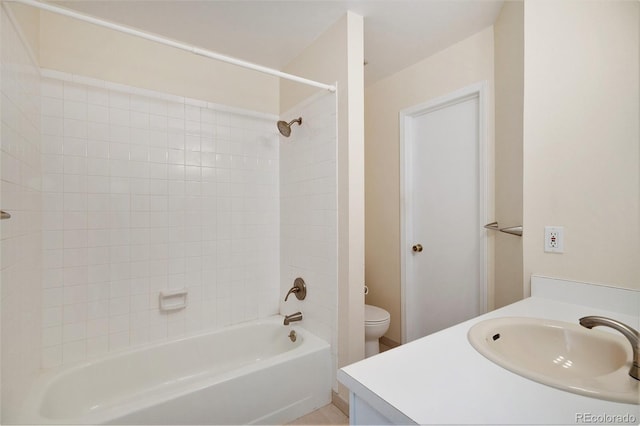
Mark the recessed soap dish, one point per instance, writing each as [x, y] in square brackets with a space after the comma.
[172, 300]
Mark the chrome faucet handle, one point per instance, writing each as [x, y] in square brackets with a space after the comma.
[299, 289]
[630, 333]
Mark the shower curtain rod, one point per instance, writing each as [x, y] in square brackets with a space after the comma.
[172, 43]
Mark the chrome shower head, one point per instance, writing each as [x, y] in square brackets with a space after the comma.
[285, 128]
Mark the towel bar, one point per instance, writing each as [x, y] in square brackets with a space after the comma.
[513, 230]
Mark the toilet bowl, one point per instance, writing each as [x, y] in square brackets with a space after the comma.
[376, 323]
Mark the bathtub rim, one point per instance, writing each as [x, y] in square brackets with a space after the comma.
[30, 410]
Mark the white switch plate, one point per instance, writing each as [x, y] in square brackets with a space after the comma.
[554, 239]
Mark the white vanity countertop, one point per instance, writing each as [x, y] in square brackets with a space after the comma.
[442, 379]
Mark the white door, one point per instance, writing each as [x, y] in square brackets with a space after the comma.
[444, 191]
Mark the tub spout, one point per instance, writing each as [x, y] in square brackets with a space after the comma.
[632, 335]
[293, 317]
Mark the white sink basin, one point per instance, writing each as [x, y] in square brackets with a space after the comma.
[560, 354]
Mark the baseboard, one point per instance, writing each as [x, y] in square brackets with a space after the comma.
[342, 405]
[388, 342]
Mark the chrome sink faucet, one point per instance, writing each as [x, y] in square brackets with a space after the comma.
[293, 317]
[631, 334]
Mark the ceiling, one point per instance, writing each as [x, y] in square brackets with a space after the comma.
[397, 33]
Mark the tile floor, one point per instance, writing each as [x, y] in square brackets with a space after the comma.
[327, 415]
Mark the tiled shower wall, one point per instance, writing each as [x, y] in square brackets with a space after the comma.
[20, 244]
[143, 192]
[308, 236]
[117, 193]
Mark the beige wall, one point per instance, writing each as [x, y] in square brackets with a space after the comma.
[509, 76]
[460, 65]
[581, 139]
[338, 56]
[28, 18]
[77, 47]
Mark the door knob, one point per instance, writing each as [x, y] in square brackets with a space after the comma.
[417, 248]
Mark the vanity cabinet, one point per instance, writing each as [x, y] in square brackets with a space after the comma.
[442, 379]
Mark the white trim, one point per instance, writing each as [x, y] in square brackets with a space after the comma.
[168, 42]
[152, 94]
[479, 91]
[405, 172]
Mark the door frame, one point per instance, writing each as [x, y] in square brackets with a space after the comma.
[479, 91]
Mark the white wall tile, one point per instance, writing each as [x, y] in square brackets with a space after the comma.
[52, 88]
[97, 96]
[52, 107]
[308, 215]
[133, 184]
[97, 345]
[74, 92]
[75, 110]
[97, 113]
[51, 356]
[51, 336]
[118, 99]
[98, 131]
[73, 352]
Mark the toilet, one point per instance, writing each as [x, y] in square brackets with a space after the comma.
[376, 323]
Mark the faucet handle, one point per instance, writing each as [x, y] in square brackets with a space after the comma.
[299, 289]
[292, 290]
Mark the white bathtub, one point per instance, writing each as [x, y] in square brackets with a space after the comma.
[249, 373]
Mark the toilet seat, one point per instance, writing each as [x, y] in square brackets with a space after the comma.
[375, 315]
